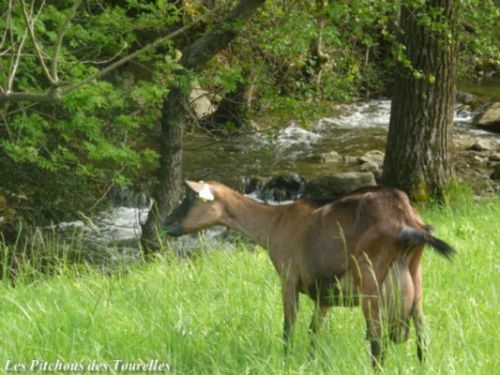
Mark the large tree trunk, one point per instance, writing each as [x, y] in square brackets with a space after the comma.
[419, 140]
[175, 111]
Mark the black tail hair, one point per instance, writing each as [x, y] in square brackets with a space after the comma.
[411, 237]
[441, 247]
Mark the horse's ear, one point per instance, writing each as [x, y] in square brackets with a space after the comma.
[203, 190]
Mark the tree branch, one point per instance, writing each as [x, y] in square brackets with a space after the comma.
[29, 24]
[55, 95]
[14, 97]
[15, 64]
[8, 26]
[60, 37]
[147, 47]
[213, 41]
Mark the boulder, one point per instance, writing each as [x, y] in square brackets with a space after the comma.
[481, 145]
[480, 160]
[496, 173]
[327, 157]
[200, 103]
[351, 159]
[495, 157]
[373, 156]
[490, 118]
[337, 184]
[278, 188]
[285, 187]
[373, 167]
[123, 196]
[467, 99]
[369, 166]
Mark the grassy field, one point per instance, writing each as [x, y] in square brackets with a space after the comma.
[220, 313]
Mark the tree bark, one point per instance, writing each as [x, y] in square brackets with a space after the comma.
[318, 57]
[419, 140]
[175, 111]
[233, 109]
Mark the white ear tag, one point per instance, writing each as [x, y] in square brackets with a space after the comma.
[206, 194]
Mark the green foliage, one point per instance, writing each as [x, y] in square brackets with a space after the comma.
[359, 40]
[228, 77]
[277, 57]
[479, 37]
[97, 135]
[458, 193]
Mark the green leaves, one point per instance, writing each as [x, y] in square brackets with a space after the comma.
[98, 134]
[228, 77]
[480, 49]
[94, 97]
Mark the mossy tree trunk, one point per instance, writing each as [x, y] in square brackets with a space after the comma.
[175, 112]
[418, 146]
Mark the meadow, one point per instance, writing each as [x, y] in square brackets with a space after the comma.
[220, 312]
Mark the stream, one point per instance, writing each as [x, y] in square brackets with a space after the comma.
[351, 130]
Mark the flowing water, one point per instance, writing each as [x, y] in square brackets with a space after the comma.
[353, 130]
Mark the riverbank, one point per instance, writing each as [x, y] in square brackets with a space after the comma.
[220, 312]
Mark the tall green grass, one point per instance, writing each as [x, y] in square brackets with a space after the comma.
[220, 312]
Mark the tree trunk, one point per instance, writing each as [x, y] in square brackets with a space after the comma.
[175, 111]
[232, 114]
[418, 145]
[318, 58]
[168, 187]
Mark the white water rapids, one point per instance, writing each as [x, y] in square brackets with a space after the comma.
[119, 224]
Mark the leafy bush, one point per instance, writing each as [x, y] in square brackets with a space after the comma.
[60, 156]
